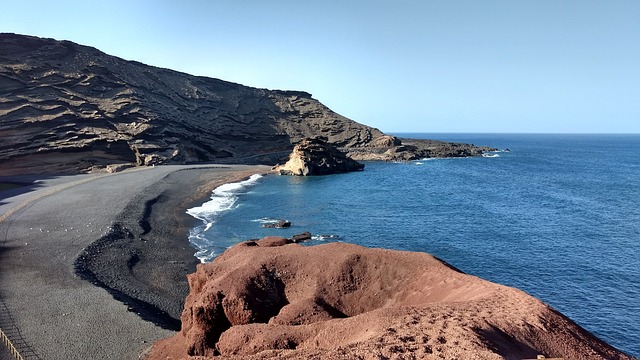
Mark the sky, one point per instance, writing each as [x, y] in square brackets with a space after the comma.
[511, 66]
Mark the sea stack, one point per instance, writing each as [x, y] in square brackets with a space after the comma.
[270, 299]
[314, 156]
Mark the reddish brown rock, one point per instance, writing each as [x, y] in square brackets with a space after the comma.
[273, 299]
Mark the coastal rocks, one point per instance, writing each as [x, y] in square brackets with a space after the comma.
[279, 224]
[270, 299]
[388, 148]
[114, 168]
[385, 141]
[305, 236]
[313, 156]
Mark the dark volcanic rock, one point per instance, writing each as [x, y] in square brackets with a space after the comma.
[413, 149]
[66, 107]
[271, 299]
[280, 224]
[301, 237]
[315, 157]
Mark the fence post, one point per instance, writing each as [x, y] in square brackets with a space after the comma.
[12, 349]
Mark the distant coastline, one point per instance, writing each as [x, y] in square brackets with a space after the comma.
[483, 214]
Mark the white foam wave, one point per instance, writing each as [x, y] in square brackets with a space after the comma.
[223, 198]
[325, 237]
[266, 220]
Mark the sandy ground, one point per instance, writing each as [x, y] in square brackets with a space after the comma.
[48, 310]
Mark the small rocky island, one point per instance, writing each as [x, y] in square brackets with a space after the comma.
[314, 156]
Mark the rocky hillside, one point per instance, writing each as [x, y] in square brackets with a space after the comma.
[65, 107]
[270, 299]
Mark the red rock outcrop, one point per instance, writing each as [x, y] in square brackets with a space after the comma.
[273, 299]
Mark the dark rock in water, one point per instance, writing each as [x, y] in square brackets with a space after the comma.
[280, 224]
[314, 156]
[301, 237]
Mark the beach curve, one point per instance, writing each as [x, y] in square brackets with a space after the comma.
[59, 315]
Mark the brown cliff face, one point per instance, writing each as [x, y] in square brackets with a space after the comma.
[272, 299]
[65, 107]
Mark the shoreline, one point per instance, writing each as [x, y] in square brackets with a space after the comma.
[143, 261]
[131, 228]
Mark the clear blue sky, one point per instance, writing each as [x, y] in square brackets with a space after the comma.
[407, 65]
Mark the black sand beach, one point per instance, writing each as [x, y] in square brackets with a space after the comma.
[124, 233]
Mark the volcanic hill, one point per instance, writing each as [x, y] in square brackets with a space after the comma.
[66, 107]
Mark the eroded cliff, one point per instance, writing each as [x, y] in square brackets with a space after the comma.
[66, 107]
[273, 299]
[72, 106]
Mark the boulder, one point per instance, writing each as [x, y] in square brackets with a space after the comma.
[314, 156]
[280, 224]
[385, 141]
[273, 299]
[305, 236]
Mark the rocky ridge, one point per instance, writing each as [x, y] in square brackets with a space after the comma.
[272, 299]
[66, 107]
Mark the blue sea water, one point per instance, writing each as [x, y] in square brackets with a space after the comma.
[558, 216]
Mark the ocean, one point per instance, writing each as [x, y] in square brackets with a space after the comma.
[557, 216]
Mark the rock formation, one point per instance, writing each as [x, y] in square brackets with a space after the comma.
[66, 107]
[391, 148]
[279, 224]
[272, 299]
[313, 156]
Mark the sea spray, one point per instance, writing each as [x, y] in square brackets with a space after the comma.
[223, 198]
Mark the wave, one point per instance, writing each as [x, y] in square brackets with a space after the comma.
[223, 198]
[266, 220]
[325, 237]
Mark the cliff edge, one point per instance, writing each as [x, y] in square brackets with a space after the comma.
[272, 299]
